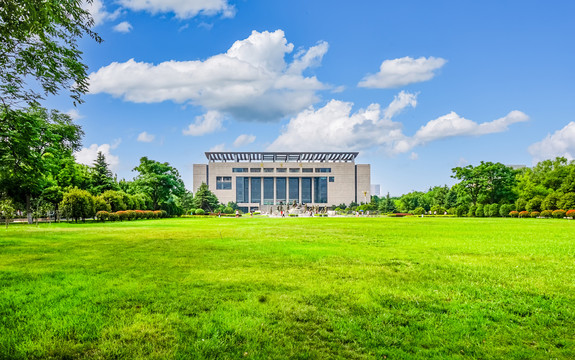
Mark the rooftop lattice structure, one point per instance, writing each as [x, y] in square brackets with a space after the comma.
[281, 156]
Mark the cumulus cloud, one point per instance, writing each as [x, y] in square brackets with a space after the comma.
[88, 155]
[244, 139]
[334, 126]
[183, 9]
[560, 143]
[99, 12]
[403, 71]
[123, 27]
[208, 123]
[251, 81]
[74, 114]
[217, 148]
[452, 124]
[145, 137]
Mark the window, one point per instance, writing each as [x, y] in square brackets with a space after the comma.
[242, 189]
[320, 190]
[281, 190]
[293, 186]
[268, 170]
[322, 170]
[281, 170]
[223, 182]
[331, 179]
[294, 170]
[305, 190]
[307, 170]
[268, 191]
[256, 190]
[237, 170]
[255, 170]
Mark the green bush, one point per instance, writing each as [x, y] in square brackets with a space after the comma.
[228, 210]
[534, 214]
[461, 210]
[493, 210]
[131, 214]
[437, 210]
[113, 217]
[546, 213]
[102, 215]
[419, 211]
[534, 204]
[200, 212]
[101, 205]
[472, 209]
[520, 204]
[559, 214]
[77, 204]
[479, 212]
[567, 201]
[122, 215]
[505, 209]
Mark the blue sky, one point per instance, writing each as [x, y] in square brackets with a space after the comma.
[417, 87]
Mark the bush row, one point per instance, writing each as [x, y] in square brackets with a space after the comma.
[558, 214]
[130, 215]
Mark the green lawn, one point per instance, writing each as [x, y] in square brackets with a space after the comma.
[314, 288]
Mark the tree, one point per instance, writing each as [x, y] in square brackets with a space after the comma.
[32, 143]
[38, 39]
[205, 199]
[78, 204]
[6, 210]
[487, 183]
[102, 177]
[387, 205]
[159, 180]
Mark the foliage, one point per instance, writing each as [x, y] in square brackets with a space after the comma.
[7, 210]
[462, 210]
[534, 214]
[524, 214]
[493, 210]
[550, 201]
[38, 39]
[479, 212]
[159, 180]
[200, 212]
[559, 214]
[32, 143]
[437, 210]
[567, 201]
[77, 204]
[534, 204]
[115, 199]
[514, 213]
[205, 199]
[419, 211]
[487, 183]
[102, 215]
[570, 213]
[546, 213]
[506, 209]
[520, 204]
[102, 177]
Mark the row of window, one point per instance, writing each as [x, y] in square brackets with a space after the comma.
[284, 189]
[281, 170]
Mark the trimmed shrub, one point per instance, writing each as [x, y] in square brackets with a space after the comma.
[461, 210]
[77, 204]
[200, 212]
[493, 210]
[479, 212]
[514, 213]
[102, 215]
[228, 210]
[534, 214]
[524, 214]
[546, 213]
[534, 204]
[570, 213]
[419, 211]
[101, 205]
[113, 217]
[520, 204]
[122, 215]
[505, 209]
[192, 211]
[437, 210]
[559, 214]
[131, 214]
[149, 214]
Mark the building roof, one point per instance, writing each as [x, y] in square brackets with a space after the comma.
[282, 156]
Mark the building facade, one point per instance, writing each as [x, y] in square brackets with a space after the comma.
[264, 180]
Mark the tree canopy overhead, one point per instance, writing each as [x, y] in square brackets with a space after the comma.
[38, 39]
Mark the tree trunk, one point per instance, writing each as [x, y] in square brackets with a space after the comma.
[28, 209]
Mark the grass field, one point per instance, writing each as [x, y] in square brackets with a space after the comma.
[354, 288]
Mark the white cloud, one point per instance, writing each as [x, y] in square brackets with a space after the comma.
[560, 143]
[334, 126]
[74, 114]
[88, 155]
[251, 81]
[208, 123]
[145, 137]
[99, 12]
[451, 125]
[414, 156]
[123, 27]
[244, 139]
[219, 147]
[183, 9]
[403, 71]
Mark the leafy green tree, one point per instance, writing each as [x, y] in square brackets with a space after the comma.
[78, 204]
[205, 199]
[31, 144]
[102, 177]
[534, 204]
[38, 39]
[387, 205]
[487, 183]
[159, 181]
[7, 210]
[567, 201]
[550, 202]
[115, 199]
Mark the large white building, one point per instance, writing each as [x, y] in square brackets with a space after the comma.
[262, 180]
